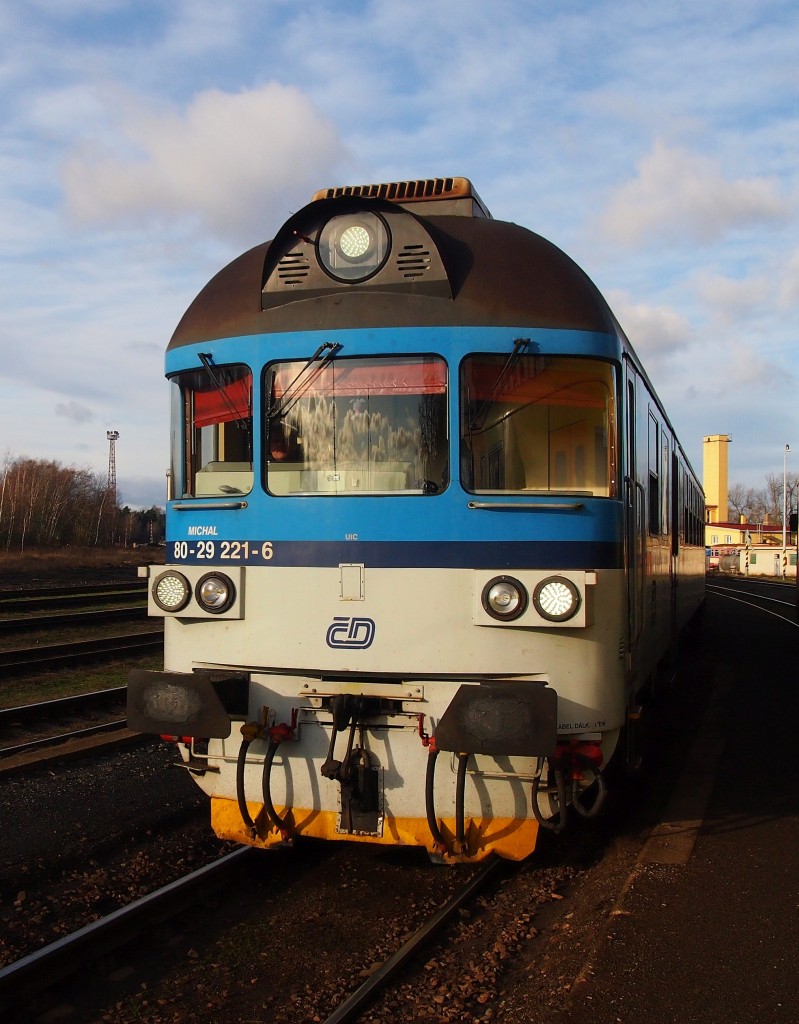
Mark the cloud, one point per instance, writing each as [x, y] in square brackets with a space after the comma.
[74, 411]
[789, 284]
[731, 300]
[677, 194]
[655, 331]
[227, 161]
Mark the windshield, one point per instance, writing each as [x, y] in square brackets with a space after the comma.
[357, 426]
[212, 431]
[547, 424]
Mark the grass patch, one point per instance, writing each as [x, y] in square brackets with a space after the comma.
[36, 561]
[55, 683]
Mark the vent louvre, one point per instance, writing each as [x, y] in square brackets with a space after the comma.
[293, 268]
[413, 261]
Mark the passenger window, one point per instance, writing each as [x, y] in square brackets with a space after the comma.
[654, 477]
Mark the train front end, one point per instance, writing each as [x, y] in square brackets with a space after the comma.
[394, 596]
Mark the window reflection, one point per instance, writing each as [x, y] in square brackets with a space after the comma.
[547, 425]
[357, 426]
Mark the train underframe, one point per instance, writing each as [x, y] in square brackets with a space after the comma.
[463, 769]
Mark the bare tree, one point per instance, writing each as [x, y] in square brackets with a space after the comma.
[44, 504]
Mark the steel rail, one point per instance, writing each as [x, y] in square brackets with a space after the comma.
[722, 592]
[29, 657]
[61, 705]
[62, 737]
[24, 600]
[733, 591]
[355, 1003]
[23, 981]
[87, 618]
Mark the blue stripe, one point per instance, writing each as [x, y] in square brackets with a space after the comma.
[515, 555]
[453, 343]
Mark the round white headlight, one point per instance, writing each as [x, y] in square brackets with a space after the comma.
[556, 599]
[354, 241]
[353, 247]
[171, 591]
[215, 592]
[504, 598]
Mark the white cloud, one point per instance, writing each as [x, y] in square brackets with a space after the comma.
[789, 283]
[655, 331]
[677, 194]
[228, 161]
[730, 300]
[74, 411]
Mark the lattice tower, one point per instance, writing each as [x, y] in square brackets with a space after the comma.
[111, 486]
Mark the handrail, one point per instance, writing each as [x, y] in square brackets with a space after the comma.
[208, 505]
[532, 506]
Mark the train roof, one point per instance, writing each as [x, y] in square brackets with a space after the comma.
[447, 262]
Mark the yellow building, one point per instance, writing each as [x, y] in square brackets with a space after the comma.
[758, 546]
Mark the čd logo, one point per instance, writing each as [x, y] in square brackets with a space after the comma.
[350, 632]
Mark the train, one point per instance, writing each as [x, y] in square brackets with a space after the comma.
[430, 533]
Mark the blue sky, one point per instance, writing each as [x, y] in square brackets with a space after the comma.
[145, 144]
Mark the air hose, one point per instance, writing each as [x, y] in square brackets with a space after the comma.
[240, 766]
[558, 823]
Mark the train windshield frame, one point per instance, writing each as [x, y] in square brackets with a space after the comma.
[211, 444]
[546, 424]
[375, 425]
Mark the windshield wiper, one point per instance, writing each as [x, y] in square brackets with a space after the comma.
[207, 360]
[296, 390]
[479, 419]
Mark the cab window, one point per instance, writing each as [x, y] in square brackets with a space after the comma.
[375, 426]
[541, 424]
[212, 431]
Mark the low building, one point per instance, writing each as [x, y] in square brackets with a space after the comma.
[754, 549]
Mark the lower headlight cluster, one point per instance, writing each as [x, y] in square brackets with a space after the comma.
[214, 592]
[555, 598]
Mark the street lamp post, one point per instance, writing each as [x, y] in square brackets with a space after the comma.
[785, 496]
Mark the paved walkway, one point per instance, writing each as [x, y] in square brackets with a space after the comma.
[706, 929]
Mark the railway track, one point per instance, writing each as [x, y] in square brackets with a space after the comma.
[28, 658]
[39, 716]
[29, 977]
[772, 598]
[21, 601]
[85, 619]
[25, 980]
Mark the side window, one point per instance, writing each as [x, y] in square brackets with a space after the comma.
[538, 424]
[654, 477]
[212, 431]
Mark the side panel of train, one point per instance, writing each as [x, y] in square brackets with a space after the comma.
[665, 528]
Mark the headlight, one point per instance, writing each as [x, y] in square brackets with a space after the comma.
[215, 592]
[504, 598]
[171, 591]
[556, 599]
[353, 247]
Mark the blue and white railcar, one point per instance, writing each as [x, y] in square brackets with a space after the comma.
[431, 531]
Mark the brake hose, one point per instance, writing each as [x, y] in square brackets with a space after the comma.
[240, 765]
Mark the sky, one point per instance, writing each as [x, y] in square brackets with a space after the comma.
[146, 143]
